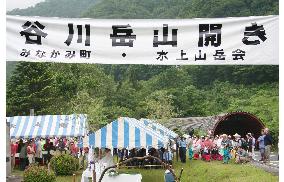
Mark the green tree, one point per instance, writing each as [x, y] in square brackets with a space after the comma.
[158, 105]
[83, 103]
[32, 86]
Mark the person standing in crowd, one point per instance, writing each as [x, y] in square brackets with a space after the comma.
[47, 148]
[196, 147]
[267, 144]
[23, 155]
[30, 152]
[215, 153]
[208, 145]
[73, 149]
[38, 153]
[161, 153]
[61, 145]
[168, 156]
[253, 146]
[182, 149]
[20, 145]
[261, 145]
[235, 144]
[244, 144]
[14, 148]
[249, 144]
[226, 147]
[189, 146]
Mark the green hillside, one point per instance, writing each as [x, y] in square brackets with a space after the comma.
[56, 8]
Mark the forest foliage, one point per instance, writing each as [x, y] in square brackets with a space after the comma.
[105, 92]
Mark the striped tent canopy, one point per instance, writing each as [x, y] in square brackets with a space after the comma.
[126, 133]
[48, 126]
[162, 130]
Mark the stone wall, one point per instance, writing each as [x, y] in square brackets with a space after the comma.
[186, 124]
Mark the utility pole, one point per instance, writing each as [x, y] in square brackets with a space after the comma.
[8, 150]
[32, 112]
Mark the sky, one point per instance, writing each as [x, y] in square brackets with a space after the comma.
[12, 4]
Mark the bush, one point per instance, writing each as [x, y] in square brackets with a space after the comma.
[64, 164]
[38, 174]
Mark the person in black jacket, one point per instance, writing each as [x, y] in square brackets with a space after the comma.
[267, 144]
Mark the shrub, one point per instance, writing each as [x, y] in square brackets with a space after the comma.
[64, 164]
[38, 174]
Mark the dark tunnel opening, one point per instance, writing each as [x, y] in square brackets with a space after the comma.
[238, 122]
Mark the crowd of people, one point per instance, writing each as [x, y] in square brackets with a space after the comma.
[220, 147]
[225, 147]
[26, 152]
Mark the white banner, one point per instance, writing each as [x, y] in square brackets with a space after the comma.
[241, 40]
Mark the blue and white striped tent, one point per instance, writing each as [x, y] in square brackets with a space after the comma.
[125, 133]
[48, 126]
[162, 130]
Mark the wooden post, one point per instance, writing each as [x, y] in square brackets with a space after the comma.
[100, 153]
[74, 178]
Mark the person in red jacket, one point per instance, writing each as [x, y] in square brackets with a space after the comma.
[14, 148]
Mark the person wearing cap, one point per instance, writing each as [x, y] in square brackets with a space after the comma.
[182, 149]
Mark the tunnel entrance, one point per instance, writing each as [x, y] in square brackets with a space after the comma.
[238, 122]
